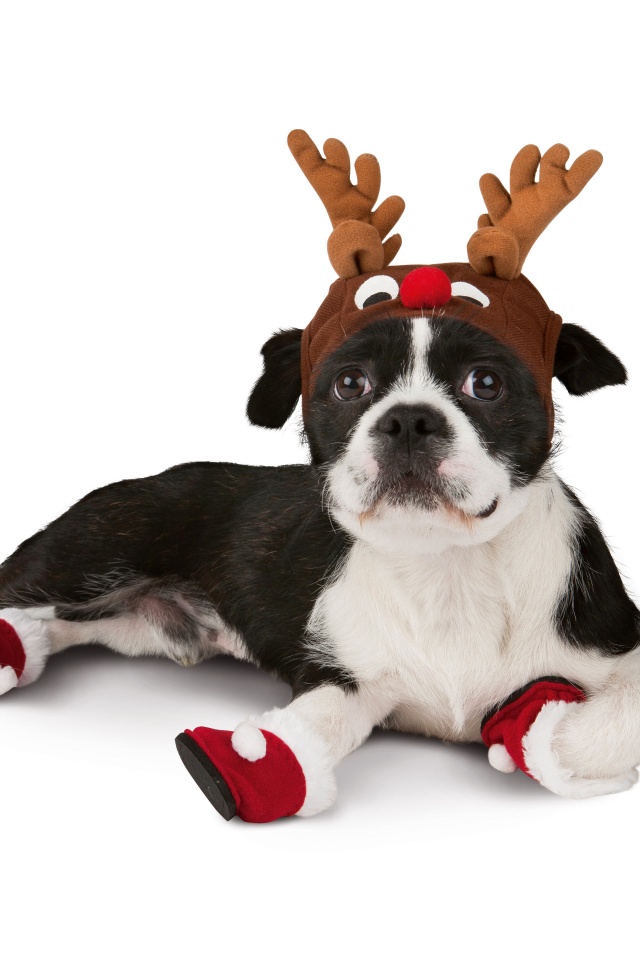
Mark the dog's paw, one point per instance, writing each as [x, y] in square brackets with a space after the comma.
[271, 766]
[544, 763]
[252, 774]
[24, 648]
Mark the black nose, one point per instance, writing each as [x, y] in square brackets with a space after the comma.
[411, 427]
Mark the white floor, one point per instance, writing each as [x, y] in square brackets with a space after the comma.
[109, 849]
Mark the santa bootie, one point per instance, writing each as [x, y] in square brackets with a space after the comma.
[269, 767]
[520, 732]
[23, 649]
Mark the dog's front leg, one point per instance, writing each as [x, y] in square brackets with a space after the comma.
[599, 740]
[281, 763]
[574, 743]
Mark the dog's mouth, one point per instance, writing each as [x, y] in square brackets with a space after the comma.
[487, 513]
[427, 493]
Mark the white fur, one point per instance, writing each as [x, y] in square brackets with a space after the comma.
[33, 636]
[231, 643]
[545, 765]
[343, 718]
[135, 636]
[41, 613]
[601, 738]
[421, 337]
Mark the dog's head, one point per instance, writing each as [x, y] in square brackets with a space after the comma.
[427, 390]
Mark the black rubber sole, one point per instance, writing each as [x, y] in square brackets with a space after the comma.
[206, 775]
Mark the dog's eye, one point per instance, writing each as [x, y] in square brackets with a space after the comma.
[351, 385]
[467, 291]
[483, 385]
[375, 290]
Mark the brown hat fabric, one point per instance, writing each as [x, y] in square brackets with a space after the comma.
[515, 220]
[516, 315]
[356, 244]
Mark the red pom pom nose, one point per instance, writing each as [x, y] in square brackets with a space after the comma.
[425, 287]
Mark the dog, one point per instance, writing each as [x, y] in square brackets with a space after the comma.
[427, 571]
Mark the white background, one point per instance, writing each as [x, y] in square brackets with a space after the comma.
[154, 231]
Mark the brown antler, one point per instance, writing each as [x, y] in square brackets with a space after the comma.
[514, 222]
[355, 246]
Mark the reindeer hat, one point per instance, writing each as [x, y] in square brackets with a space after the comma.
[489, 291]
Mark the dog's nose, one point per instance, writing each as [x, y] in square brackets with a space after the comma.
[411, 426]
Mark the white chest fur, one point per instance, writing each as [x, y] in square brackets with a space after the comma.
[446, 636]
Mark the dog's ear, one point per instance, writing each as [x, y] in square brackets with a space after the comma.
[583, 363]
[275, 395]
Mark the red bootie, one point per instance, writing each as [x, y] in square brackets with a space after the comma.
[506, 727]
[253, 773]
[520, 733]
[12, 657]
[23, 649]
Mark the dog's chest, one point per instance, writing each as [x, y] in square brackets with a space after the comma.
[429, 627]
[448, 636]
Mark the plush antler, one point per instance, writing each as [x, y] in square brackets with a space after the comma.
[355, 246]
[515, 221]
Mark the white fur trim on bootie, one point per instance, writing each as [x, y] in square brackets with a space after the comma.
[543, 762]
[33, 636]
[308, 747]
[8, 679]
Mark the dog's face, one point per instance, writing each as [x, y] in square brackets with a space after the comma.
[429, 429]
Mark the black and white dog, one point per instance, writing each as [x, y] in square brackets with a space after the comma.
[426, 564]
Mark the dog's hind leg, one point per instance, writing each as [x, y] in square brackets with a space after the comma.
[24, 647]
[143, 619]
[29, 636]
[115, 569]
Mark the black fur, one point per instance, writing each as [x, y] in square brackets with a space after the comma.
[383, 351]
[595, 611]
[276, 393]
[515, 426]
[583, 363]
[253, 543]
